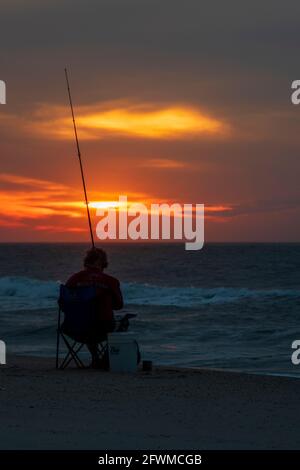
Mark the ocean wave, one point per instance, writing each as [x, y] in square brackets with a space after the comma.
[18, 293]
[145, 294]
[21, 293]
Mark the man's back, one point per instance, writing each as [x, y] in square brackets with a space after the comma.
[110, 296]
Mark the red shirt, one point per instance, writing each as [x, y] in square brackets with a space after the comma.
[110, 294]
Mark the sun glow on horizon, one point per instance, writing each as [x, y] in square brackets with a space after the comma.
[108, 204]
[49, 207]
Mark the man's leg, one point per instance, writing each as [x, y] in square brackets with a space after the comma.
[92, 347]
[103, 361]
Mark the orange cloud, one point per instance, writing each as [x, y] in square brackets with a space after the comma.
[25, 181]
[28, 200]
[123, 119]
[59, 229]
[46, 206]
[218, 208]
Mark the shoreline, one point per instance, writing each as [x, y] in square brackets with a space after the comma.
[261, 373]
[169, 408]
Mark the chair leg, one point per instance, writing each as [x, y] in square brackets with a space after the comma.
[101, 349]
[69, 357]
[72, 354]
[73, 351]
[66, 360]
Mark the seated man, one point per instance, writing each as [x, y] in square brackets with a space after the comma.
[110, 296]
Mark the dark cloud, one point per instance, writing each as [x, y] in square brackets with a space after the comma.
[230, 53]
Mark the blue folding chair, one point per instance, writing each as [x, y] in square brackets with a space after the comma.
[80, 326]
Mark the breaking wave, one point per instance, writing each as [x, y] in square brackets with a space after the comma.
[21, 293]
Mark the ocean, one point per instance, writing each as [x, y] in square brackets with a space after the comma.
[233, 306]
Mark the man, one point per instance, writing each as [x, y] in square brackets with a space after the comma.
[109, 293]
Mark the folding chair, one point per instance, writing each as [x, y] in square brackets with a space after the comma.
[80, 326]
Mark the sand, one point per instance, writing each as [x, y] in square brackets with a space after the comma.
[169, 408]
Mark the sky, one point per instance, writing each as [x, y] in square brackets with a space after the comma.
[186, 102]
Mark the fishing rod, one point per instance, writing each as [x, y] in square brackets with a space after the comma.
[80, 161]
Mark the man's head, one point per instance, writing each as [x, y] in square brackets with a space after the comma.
[95, 258]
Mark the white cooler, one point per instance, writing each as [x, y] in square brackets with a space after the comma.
[122, 350]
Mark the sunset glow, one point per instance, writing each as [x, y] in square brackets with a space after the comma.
[168, 109]
[50, 207]
[107, 205]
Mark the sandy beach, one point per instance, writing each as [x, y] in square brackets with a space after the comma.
[168, 408]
